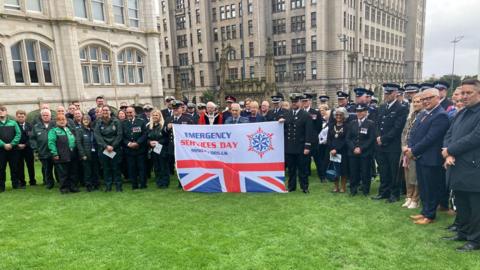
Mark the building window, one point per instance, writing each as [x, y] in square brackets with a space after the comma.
[298, 45]
[182, 41]
[199, 35]
[2, 62]
[278, 5]
[12, 4]
[184, 80]
[80, 7]
[200, 55]
[217, 55]
[118, 9]
[179, 4]
[183, 59]
[250, 27]
[280, 47]
[313, 19]
[231, 55]
[202, 78]
[297, 4]
[214, 14]
[250, 6]
[180, 22]
[298, 70]
[251, 49]
[215, 34]
[314, 70]
[197, 15]
[96, 65]
[298, 23]
[252, 72]
[280, 73]
[169, 80]
[98, 12]
[233, 73]
[131, 66]
[314, 43]
[279, 26]
[33, 5]
[32, 62]
[133, 14]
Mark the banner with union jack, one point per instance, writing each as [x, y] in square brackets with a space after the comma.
[230, 158]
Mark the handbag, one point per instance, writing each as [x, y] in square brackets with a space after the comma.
[333, 171]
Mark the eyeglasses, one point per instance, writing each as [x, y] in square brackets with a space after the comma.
[427, 98]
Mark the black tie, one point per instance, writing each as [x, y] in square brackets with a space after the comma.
[175, 119]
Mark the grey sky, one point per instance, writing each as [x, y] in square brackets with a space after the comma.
[445, 20]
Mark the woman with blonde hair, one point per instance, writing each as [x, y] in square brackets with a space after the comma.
[157, 141]
[412, 195]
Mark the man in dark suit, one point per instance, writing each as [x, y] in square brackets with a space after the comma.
[425, 146]
[461, 150]
[277, 111]
[442, 87]
[134, 138]
[361, 142]
[317, 122]
[25, 151]
[227, 113]
[298, 143]
[391, 119]
[235, 117]
[178, 117]
[167, 112]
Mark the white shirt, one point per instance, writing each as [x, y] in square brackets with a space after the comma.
[391, 104]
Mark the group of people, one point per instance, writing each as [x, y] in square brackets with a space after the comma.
[418, 141]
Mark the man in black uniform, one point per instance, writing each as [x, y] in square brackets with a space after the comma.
[39, 143]
[135, 148]
[25, 150]
[10, 135]
[298, 142]
[277, 111]
[108, 134]
[361, 142]
[192, 112]
[324, 99]
[442, 87]
[317, 122]
[227, 114]
[167, 112]
[178, 117]
[411, 89]
[425, 86]
[391, 119]
[342, 100]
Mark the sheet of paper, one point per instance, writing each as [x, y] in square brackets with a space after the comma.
[336, 158]
[109, 154]
[158, 148]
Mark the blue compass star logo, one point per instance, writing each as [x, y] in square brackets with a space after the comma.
[260, 142]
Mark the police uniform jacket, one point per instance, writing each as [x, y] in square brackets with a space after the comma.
[166, 113]
[109, 133]
[184, 119]
[134, 131]
[362, 136]
[390, 124]
[298, 132]
[275, 114]
[86, 143]
[463, 142]
[316, 124]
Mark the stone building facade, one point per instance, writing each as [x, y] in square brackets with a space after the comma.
[59, 51]
[319, 46]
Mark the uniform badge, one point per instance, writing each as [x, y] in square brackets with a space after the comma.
[136, 129]
[314, 116]
[364, 131]
[114, 128]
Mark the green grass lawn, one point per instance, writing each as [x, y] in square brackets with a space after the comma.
[172, 229]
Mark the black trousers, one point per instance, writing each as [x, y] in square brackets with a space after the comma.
[297, 164]
[444, 191]
[136, 170]
[65, 175]
[11, 158]
[91, 168]
[388, 168]
[468, 215]
[111, 169]
[430, 184]
[171, 164]
[317, 159]
[324, 158]
[160, 166]
[360, 174]
[26, 157]
[47, 171]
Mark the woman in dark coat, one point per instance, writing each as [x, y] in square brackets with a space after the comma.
[87, 150]
[336, 142]
[157, 142]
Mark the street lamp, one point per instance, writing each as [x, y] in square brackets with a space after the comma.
[343, 39]
[454, 41]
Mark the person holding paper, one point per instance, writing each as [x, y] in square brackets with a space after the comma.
[157, 143]
[361, 144]
[108, 133]
[337, 147]
[135, 147]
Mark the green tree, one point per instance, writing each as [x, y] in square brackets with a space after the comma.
[209, 95]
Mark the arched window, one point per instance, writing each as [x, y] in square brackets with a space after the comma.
[96, 65]
[32, 62]
[131, 66]
[2, 62]
[231, 54]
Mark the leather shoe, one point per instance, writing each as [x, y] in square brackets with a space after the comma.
[417, 217]
[453, 238]
[423, 221]
[378, 197]
[452, 228]
[306, 191]
[469, 246]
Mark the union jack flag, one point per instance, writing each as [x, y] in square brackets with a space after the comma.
[217, 176]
